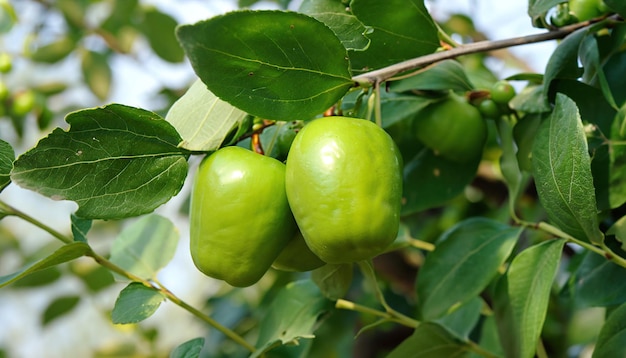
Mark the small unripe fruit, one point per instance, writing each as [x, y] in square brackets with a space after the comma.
[6, 62]
[23, 103]
[489, 108]
[452, 128]
[502, 92]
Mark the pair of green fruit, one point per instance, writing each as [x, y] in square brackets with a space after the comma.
[337, 200]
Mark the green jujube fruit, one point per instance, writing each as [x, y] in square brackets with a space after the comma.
[297, 256]
[452, 128]
[240, 217]
[344, 186]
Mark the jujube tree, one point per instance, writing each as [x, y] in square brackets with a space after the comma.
[420, 190]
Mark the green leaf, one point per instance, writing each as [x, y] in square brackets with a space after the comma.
[146, 246]
[119, 24]
[160, 29]
[333, 280]
[135, 303]
[474, 248]
[617, 5]
[430, 180]
[531, 100]
[489, 339]
[400, 107]
[591, 103]
[522, 299]
[64, 254]
[619, 230]
[115, 162]
[592, 63]
[398, 34]
[462, 321]
[563, 62]
[562, 171]
[445, 75]
[39, 278]
[538, 8]
[597, 115]
[202, 119]
[94, 276]
[74, 11]
[54, 51]
[8, 18]
[335, 15]
[259, 60]
[291, 316]
[80, 227]
[617, 160]
[189, 349]
[612, 335]
[97, 73]
[598, 282]
[7, 156]
[524, 134]
[509, 165]
[59, 307]
[430, 340]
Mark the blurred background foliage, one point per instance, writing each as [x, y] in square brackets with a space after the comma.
[57, 56]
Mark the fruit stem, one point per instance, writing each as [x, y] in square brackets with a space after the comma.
[423, 245]
[377, 106]
[10, 211]
[367, 268]
[603, 250]
[256, 144]
[385, 73]
[408, 322]
[349, 305]
[444, 37]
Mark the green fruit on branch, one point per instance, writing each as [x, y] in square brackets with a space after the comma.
[502, 92]
[240, 217]
[489, 108]
[344, 185]
[563, 16]
[6, 63]
[23, 103]
[586, 9]
[452, 128]
[297, 256]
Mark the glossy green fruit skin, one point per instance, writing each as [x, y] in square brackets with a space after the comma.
[297, 256]
[344, 185]
[585, 9]
[502, 92]
[489, 108]
[240, 217]
[563, 16]
[452, 128]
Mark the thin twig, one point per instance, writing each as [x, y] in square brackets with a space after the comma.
[383, 74]
[9, 210]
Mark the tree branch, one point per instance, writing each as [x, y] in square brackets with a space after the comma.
[377, 76]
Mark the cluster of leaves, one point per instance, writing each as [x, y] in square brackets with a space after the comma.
[492, 277]
[126, 24]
